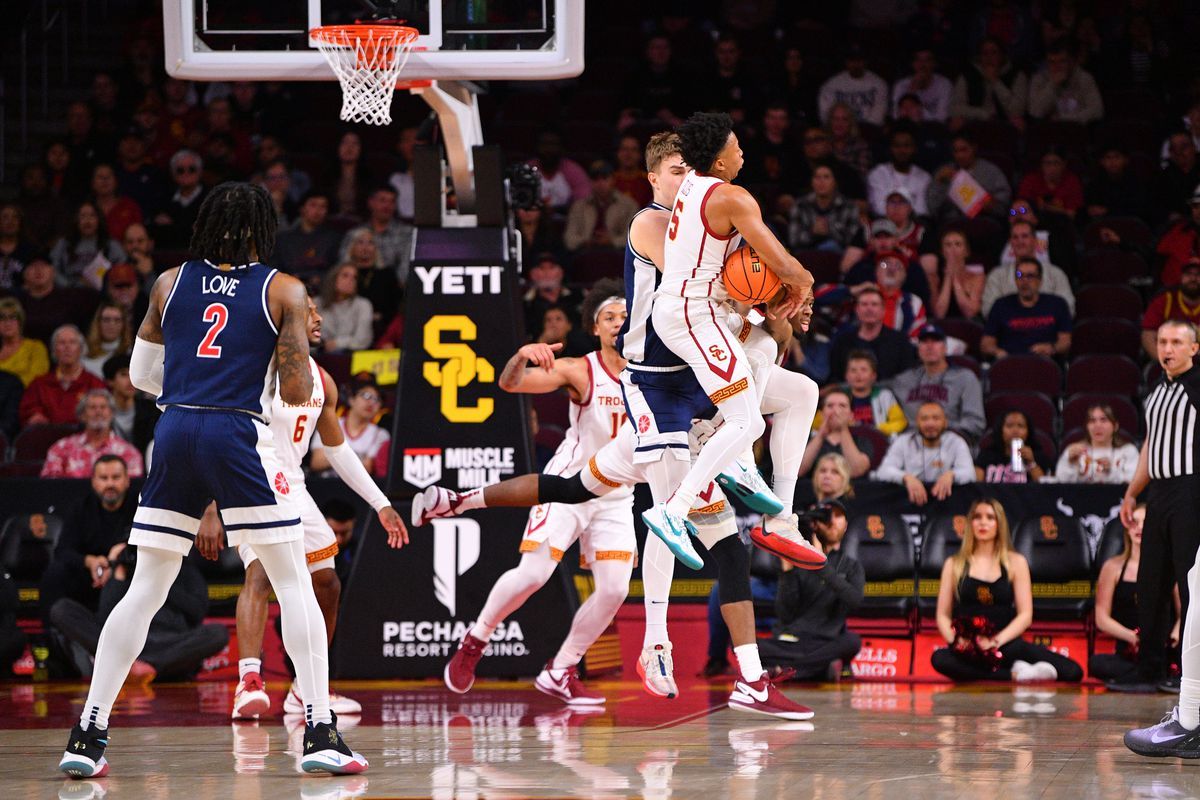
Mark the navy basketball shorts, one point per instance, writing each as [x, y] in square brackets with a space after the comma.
[202, 455]
[661, 407]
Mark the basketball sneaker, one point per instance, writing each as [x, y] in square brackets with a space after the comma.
[338, 704]
[658, 670]
[675, 531]
[325, 751]
[459, 674]
[746, 484]
[250, 700]
[433, 503]
[763, 697]
[1167, 738]
[782, 537]
[84, 756]
[566, 686]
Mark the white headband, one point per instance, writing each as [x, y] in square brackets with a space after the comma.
[608, 302]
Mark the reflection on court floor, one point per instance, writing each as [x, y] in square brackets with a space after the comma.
[505, 739]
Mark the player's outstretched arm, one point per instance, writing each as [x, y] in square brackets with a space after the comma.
[289, 307]
[741, 209]
[549, 374]
[349, 466]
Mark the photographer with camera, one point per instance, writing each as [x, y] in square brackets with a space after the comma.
[812, 605]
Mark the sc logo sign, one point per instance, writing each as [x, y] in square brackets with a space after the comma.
[460, 365]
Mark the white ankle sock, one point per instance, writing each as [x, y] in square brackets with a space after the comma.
[246, 665]
[1189, 708]
[472, 500]
[748, 661]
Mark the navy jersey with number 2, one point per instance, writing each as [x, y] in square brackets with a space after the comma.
[219, 339]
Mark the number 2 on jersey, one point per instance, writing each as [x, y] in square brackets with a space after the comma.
[218, 315]
[673, 228]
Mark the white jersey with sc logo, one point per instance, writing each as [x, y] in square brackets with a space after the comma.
[693, 253]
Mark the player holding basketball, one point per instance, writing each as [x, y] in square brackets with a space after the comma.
[615, 467]
[292, 426]
[218, 333]
[604, 525]
[708, 215]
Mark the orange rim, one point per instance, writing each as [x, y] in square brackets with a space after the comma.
[341, 34]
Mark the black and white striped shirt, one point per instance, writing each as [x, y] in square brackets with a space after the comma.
[1172, 417]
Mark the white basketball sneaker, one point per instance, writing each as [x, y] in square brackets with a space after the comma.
[746, 483]
[433, 503]
[657, 670]
[250, 701]
[338, 704]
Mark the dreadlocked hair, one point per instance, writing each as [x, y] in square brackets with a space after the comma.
[702, 137]
[236, 225]
[601, 290]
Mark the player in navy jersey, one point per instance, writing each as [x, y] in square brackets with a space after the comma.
[220, 332]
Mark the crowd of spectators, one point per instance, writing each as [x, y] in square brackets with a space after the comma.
[970, 183]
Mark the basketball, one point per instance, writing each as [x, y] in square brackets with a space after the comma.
[747, 278]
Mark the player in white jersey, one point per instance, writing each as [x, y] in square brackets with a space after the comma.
[707, 217]
[604, 526]
[292, 428]
[615, 466]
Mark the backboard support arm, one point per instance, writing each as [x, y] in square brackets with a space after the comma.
[457, 107]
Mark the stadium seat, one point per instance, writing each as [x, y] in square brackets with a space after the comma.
[1074, 413]
[1113, 266]
[1112, 543]
[1127, 106]
[966, 362]
[968, 330]
[3, 448]
[1103, 373]
[1151, 374]
[1106, 335]
[1121, 302]
[553, 409]
[878, 439]
[1019, 373]
[1060, 565]
[1132, 230]
[1038, 407]
[883, 544]
[941, 537]
[32, 443]
[27, 544]
[824, 265]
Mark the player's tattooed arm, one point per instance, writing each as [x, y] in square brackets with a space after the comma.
[151, 327]
[548, 374]
[291, 350]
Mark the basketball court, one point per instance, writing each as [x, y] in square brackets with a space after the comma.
[505, 739]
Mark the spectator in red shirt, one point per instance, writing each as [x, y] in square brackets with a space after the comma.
[51, 399]
[1053, 187]
[630, 174]
[119, 211]
[74, 456]
[1180, 244]
[1181, 302]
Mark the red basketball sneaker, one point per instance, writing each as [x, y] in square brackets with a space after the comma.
[566, 686]
[781, 536]
[459, 674]
[763, 697]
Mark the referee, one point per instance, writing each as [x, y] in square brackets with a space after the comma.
[1168, 465]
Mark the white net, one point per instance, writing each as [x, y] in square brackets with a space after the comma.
[367, 60]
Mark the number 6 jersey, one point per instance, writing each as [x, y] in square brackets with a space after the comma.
[292, 427]
[219, 339]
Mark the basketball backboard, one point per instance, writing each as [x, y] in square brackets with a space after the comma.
[222, 40]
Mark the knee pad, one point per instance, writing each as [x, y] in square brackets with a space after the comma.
[733, 570]
[557, 489]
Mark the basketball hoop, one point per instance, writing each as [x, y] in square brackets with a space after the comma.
[367, 58]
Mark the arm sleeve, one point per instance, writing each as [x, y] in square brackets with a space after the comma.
[1065, 471]
[351, 470]
[576, 233]
[1042, 96]
[146, 366]
[53, 466]
[896, 421]
[787, 598]
[360, 339]
[993, 289]
[69, 549]
[972, 420]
